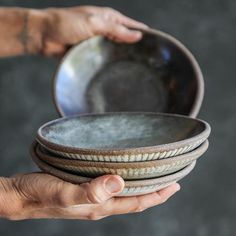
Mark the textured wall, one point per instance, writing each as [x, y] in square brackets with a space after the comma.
[206, 205]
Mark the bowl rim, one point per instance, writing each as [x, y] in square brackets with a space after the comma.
[195, 66]
[123, 151]
[52, 159]
[128, 183]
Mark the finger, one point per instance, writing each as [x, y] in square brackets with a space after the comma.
[122, 34]
[53, 49]
[115, 39]
[103, 188]
[112, 14]
[129, 22]
[169, 191]
[97, 191]
[86, 9]
[117, 31]
[137, 204]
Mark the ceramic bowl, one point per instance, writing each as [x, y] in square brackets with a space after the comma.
[123, 137]
[156, 74]
[132, 170]
[132, 188]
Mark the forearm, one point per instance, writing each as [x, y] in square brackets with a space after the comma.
[21, 31]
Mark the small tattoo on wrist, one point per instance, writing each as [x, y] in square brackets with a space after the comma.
[23, 36]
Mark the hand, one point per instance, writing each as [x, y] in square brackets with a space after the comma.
[40, 195]
[68, 26]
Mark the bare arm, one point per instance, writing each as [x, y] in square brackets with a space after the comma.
[51, 31]
[21, 31]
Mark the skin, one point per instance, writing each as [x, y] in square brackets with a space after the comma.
[39, 195]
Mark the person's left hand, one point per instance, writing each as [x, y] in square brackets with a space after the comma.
[68, 26]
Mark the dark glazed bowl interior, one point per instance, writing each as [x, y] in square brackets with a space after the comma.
[120, 131]
[157, 74]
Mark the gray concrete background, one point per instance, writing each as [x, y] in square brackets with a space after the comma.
[206, 205]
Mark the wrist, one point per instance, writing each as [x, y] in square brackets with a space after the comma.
[4, 193]
[10, 202]
[35, 26]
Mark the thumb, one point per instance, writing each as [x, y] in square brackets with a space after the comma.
[102, 188]
[97, 191]
[50, 191]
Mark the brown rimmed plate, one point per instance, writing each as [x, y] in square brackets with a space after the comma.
[156, 74]
[123, 137]
[131, 170]
[132, 188]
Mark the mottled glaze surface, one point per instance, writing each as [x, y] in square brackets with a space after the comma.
[157, 74]
[132, 188]
[115, 133]
[132, 170]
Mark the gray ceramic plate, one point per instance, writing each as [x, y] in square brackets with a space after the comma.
[123, 137]
[157, 74]
[132, 188]
[132, 170]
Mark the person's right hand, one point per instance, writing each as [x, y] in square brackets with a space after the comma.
[65, 27]
[39, 195]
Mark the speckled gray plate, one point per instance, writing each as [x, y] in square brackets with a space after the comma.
[156, 74]
[123, 137]
[132, 188]
[131, 170]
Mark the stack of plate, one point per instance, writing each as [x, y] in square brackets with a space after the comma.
[149, 150]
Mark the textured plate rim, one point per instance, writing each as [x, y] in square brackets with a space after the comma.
[128, 183]
[49, 158]
[148, 149]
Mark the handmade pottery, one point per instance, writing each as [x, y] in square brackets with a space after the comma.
[131, 170]
[132, 188]
[123, 137]
[156, 74]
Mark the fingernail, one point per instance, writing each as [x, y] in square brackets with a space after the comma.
[145, 26]
[113, 185]
[178, 187]
[138, 34]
